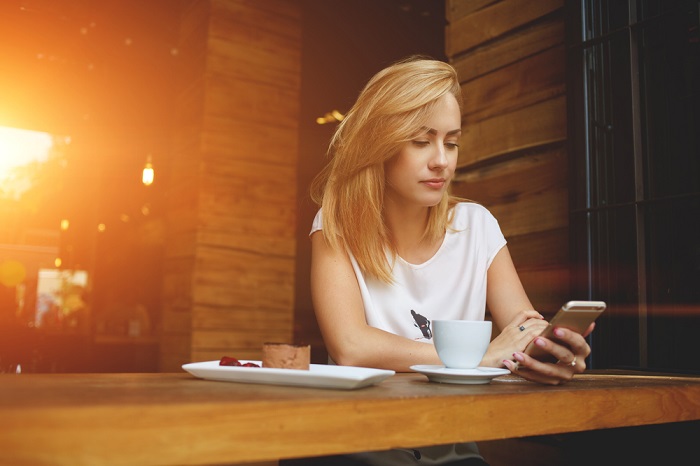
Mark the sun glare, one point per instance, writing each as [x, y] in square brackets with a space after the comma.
[20, 147]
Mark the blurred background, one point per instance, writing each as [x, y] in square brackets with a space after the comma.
[88, 90]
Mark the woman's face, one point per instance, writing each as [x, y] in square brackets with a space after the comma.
[420, 173]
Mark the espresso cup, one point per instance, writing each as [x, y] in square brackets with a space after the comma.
[461, 344]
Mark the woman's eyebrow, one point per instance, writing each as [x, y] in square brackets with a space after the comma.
[434, 131]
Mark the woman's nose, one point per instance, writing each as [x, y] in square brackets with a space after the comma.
[439, 158]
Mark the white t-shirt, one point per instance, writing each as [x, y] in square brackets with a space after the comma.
[450, 285]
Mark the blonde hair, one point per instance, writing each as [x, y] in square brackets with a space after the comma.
[391, 109]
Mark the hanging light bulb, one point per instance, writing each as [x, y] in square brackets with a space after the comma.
[148, 173]
[330, 117]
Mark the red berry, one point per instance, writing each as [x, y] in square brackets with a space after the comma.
[228, 361]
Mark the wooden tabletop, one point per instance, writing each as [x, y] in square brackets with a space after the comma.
[175, 418]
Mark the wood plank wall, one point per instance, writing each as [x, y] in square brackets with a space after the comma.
[230, 252]
[510, 56]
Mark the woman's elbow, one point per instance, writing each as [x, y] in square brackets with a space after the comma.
[345, 356]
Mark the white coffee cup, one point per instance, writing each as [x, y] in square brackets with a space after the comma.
[461, 344]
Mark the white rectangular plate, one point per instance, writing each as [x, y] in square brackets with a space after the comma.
[318, 375]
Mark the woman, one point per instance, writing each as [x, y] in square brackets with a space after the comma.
[393, 250]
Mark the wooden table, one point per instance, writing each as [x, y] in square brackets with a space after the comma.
[134, 419]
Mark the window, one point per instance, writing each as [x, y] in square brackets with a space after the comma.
[634, 95]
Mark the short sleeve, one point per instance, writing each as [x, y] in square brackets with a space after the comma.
[317, 224]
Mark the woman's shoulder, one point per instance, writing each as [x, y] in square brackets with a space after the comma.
[465, 213]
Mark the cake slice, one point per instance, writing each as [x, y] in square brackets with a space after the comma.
[286, 356]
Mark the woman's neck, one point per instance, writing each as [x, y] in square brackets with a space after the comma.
[407, 228]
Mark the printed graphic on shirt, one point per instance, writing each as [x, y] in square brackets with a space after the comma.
[423, 324]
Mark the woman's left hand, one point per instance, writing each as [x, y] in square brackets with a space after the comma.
[570, 350]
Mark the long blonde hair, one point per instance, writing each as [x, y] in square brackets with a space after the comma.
[390, 110]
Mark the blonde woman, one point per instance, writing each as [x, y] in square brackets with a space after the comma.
[393, 250]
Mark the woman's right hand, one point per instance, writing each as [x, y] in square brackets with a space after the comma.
[519, 332]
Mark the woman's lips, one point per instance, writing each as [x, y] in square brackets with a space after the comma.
[435, 183]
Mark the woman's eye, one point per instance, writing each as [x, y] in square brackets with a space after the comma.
[420, 143]
[452, 145]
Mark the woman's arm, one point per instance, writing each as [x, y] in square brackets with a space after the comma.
[510, 309]
[350, 341]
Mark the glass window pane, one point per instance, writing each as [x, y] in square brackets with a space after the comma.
[670, 88]
[613, 278]
[610, 167]
[673, 256]
[604, 16]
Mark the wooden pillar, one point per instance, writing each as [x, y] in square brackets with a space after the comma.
[230, 249]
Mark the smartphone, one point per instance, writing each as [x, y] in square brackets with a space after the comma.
[574, 315]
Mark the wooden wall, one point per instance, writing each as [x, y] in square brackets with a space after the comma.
[230, 252]
[510, 56]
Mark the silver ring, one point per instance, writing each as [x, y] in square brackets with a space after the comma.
[522, 328]
[573, 363]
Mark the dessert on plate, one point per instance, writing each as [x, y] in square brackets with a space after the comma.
[286, 356]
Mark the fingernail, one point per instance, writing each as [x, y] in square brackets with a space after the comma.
[539, 342]
[518, 356]
[558, 332]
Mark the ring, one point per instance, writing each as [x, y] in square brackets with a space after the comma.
[522, 328]
[573, 363]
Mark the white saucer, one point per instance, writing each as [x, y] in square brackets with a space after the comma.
[441, 374]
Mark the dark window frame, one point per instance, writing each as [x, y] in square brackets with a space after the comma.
[633, 82]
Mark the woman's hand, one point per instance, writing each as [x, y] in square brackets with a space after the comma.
[570, 350]
[514, 337]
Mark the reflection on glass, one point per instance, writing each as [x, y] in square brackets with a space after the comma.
[32, 165]
[21, 153]
[60, 299]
